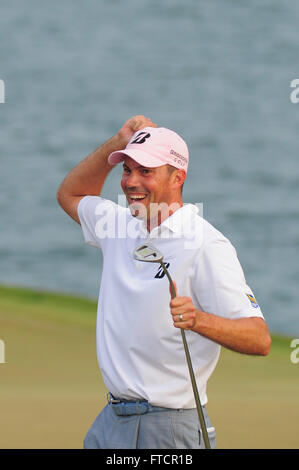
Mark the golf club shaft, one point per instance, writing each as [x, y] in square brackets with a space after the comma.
[191, 372]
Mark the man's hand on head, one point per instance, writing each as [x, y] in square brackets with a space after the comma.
[133, 125]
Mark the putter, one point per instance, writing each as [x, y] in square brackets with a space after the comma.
[150, 254]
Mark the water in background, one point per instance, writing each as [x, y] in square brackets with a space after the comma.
[217, 72]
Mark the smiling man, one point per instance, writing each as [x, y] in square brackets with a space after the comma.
[147, 191]
[139, 348]
[153, 173]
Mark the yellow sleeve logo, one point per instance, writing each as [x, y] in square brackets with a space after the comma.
[252, 300]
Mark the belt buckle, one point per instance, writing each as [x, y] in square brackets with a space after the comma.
[111, 399]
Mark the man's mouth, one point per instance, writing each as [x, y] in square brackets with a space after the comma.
[136, 197]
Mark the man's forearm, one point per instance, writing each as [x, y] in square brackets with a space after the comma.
[244, 335]
[89, 176]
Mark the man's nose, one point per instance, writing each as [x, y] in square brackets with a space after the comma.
[132, 179]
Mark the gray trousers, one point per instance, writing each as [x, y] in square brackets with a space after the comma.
[142, 426]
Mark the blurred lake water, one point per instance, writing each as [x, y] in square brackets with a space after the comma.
[217, 73]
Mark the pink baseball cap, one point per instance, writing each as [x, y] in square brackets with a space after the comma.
[153, 147]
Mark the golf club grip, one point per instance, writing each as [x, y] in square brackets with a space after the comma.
[191, 372]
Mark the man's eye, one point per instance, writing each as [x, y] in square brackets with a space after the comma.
[126, 170]
[145, 171]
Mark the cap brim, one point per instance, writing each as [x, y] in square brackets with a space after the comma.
[140, 157]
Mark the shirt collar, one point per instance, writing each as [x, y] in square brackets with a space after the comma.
[179, 222]
[181, 218]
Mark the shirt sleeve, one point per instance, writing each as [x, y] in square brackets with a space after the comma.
[219, 283]
[97, 217]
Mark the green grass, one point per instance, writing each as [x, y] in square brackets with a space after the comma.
[60, 308]
[51, 387]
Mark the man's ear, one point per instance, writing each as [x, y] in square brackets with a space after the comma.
[180, 176]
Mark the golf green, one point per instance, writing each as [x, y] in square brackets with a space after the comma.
[52, 390]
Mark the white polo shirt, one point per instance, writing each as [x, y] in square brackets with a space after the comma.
[140, 352]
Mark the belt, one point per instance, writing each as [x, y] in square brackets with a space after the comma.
[123, 407]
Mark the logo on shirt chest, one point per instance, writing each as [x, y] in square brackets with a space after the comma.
[160, 272]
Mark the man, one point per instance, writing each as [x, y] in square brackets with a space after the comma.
[139, 346]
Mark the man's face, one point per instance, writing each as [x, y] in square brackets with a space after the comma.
[145, 186]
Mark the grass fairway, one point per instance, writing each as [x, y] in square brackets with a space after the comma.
[51, 388]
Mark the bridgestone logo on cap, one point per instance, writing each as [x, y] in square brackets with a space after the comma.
[141, 138]
[181, 157]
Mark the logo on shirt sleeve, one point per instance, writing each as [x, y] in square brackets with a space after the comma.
[252, 300]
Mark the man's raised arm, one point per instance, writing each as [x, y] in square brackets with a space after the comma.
[89, 176]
